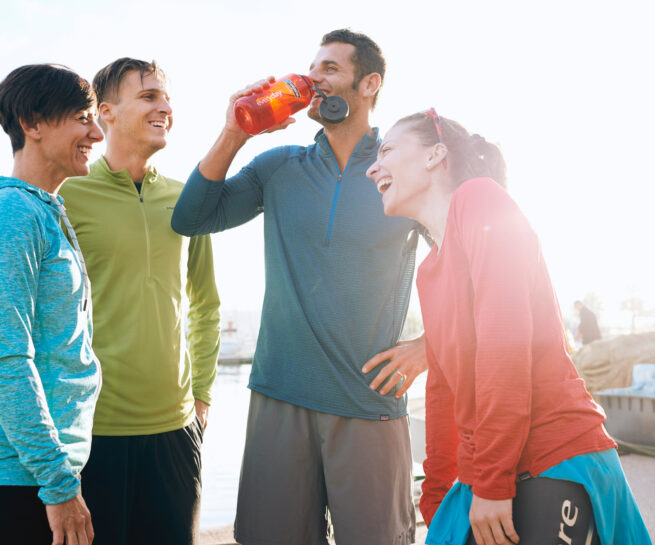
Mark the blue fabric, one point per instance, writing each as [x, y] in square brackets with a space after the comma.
[643, 382]
[618, 520]
[49, 376]
[338, 272]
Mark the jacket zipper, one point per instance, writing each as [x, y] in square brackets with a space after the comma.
[336, 194]
[334, 210]
[145, 224]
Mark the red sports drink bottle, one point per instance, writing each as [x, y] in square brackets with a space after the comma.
[257, 112]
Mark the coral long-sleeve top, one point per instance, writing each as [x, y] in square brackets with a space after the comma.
[503, 396]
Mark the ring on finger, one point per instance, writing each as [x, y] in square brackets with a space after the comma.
[401, 375]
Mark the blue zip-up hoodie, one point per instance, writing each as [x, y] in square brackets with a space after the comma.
[49, 376]
[338, 271]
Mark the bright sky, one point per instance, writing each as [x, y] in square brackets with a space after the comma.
[566, 87]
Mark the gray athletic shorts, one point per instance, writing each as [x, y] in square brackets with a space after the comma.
[299, 463]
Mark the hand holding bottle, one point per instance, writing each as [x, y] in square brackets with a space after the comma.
[255, 89]
[273, 103]
[215, 164]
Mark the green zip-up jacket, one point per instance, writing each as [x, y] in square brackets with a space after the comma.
[139, 268]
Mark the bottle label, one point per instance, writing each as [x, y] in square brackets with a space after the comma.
[268, 98]
[293, 88]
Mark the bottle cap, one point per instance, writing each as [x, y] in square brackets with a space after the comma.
[333, 109]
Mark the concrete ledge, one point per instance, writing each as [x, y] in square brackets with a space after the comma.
[224, 535]
[639, 469]
[218, 536]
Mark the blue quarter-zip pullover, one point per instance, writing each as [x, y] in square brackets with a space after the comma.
[338, 271]
[49, 376]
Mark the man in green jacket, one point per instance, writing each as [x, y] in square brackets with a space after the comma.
[142, 481]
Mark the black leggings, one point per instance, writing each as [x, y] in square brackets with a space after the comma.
[552, 512]
[22, 517]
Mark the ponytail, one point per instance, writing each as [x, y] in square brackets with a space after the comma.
[469, 155]
[490, 160]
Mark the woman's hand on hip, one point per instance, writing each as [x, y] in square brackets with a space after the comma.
[405, 362]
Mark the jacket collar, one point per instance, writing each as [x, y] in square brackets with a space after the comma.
[366, 147]
[101, 168]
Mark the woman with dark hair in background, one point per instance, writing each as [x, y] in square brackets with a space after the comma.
[504, 402]
[49, 376]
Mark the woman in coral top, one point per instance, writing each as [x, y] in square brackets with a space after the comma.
[504, 403]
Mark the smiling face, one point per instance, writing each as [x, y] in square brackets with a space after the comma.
[401, 172]
[140, 116]
[333, 72]
[66, 145]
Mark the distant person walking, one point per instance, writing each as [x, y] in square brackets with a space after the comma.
[588, 330]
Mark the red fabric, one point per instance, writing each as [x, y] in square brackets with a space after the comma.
[503, 396]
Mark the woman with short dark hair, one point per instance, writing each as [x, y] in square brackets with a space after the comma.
[506, 412]
[49, 376]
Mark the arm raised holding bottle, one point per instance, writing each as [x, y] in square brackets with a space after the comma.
[200, 209]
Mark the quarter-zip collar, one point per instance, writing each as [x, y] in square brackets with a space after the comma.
[366, 147]
[101, 168]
